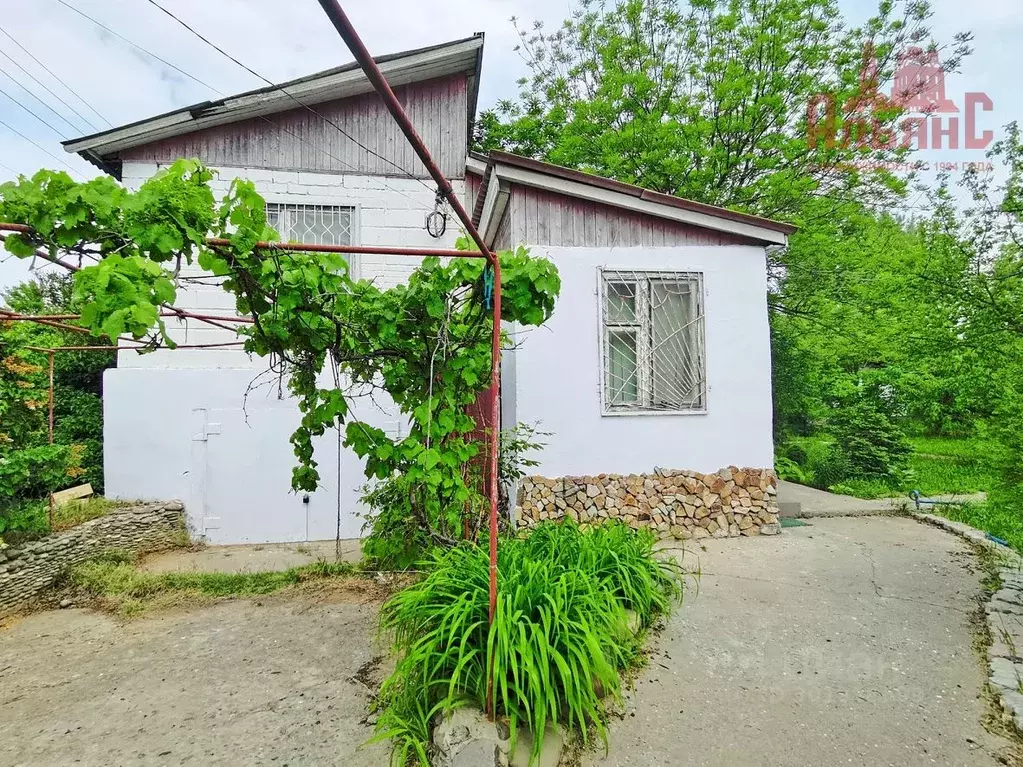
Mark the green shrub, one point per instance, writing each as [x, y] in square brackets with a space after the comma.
[828, 466]
[867, 441]
[395, 538]
[558, 642]
[788, 470]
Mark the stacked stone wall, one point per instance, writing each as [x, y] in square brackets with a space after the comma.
[27, 570]
[682, 504]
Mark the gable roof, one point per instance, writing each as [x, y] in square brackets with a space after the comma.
[501, 169]
[456, 57]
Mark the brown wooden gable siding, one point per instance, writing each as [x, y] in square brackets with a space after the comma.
[539, 217]
[472, 190]
[301, 140]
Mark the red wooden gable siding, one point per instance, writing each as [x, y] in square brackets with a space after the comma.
[301, 140]
[540, 217]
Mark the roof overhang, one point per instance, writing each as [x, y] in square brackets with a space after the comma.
[458, 57]
[500, 170]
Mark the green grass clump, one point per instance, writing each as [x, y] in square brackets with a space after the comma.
[73, 513]
[116, 576]
[1002, 519]
[558, 644]
[944, 465]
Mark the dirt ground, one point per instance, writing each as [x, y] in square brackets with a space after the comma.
[848, 641]
[278, 681]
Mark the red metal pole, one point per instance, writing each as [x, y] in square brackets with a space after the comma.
[50, 355]
[344, 27]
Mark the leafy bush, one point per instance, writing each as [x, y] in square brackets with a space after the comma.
[788, 470]
[558, 642]
[868, 442]
[26, 476]
[396, 538]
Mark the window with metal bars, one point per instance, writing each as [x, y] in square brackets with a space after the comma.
[653, 337]
[316, 224]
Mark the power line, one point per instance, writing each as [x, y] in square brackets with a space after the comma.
[45, 88]
[298, 101]
[138, 47]
[40, 148]
[384, 186]
[33, 95]
[55, 77]
[40, 119]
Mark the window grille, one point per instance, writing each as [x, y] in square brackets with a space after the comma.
[315, 224]
[653, 337]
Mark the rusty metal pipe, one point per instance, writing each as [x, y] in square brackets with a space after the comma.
[50, 355]
[344, 27]
[300, 247]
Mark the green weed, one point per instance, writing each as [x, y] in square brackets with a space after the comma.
[74, 513]
[1003, 520]
[116, 577]
[557, 645]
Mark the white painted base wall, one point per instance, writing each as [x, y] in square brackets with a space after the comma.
[556, 373]
[192, 435]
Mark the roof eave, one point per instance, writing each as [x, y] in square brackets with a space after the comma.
[529, 172]
[401, 69]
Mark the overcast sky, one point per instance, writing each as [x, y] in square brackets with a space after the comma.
[282, 40]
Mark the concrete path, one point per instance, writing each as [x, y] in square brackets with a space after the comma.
[285, 679]
[796, 500]
[847, 641]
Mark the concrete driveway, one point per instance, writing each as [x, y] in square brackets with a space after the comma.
[848, 641]
[844, 642]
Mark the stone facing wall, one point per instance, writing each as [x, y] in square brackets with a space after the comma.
[679, 504]
[27, 570]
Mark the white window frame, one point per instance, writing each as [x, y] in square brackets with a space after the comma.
[642, 278]
[354, 260]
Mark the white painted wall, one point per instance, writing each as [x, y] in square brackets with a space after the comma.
[192, 435]
[177, 424]
[557, 370]
[236, 482]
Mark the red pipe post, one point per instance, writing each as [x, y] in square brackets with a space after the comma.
[341, 23]
[344, 27]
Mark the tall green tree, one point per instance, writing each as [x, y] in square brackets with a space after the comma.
[709, 99]
[978, 264]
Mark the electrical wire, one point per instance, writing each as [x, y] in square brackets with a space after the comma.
[52, 74]
[383, 186]
[40, 119]
[45, 88]
[138, 47]
[298, 101]
[42, 149]
[31, 93]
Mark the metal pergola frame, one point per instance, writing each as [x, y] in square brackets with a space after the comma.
[445, 190]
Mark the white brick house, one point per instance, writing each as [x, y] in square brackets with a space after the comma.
[662, 314]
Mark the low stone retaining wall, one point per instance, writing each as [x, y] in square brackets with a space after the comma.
[1004, 613]
[682, 504]
[29, 569]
